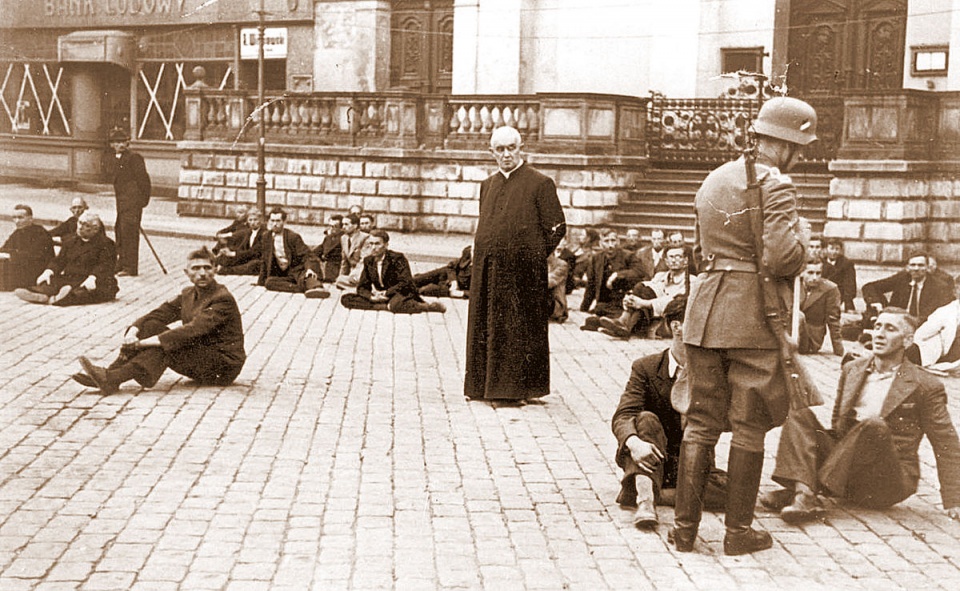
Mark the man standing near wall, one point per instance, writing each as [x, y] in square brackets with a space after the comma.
[736, 376]
[520, 223]
[131, 183]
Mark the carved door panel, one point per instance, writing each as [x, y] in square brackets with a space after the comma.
[422, 45]
[837, 45]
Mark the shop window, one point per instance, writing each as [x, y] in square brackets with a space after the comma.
[930, 60]
[34, 99]
[736, 59]
[274, 75]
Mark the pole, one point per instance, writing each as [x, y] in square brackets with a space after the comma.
[153, 250]
[261, 141]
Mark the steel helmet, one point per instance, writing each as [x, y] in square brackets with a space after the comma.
[787, 119]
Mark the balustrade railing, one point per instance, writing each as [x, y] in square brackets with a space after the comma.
[698, 130]
[418, 120]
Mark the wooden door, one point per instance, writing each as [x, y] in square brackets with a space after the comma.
[422, 45]
[837, 45]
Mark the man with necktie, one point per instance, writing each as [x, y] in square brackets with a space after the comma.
[913, 289]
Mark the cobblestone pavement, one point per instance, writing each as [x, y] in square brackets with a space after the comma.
[345, 457]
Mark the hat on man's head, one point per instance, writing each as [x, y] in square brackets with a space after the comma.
[119, 135]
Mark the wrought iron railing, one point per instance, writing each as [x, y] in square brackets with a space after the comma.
[698, 130]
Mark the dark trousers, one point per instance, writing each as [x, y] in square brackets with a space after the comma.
[398, 304]
[861, 467]
[245, 263]
[650, 429]
[205, 365]
[291, 281]
[127, 232]
[435, 283]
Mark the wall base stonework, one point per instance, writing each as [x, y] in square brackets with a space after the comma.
[883, 209]
[407, 190]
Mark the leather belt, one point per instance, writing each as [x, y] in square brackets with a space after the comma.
[715, 265]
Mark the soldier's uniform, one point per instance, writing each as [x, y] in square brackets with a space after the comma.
[734, 368]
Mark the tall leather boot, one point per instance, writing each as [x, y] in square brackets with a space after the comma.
[694, 468]
[743, 484]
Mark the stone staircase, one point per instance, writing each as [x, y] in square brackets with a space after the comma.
[664, 199]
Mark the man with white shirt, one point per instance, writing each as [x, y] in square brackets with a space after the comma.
[885, 405]
[351, 246]
[287, 263]
[912, 289]
[647, 300]
[241, 255]
[649, 430]
[651, 256]
[386, 282]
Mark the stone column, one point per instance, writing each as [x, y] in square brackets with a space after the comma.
[352, 46]
[86, 119]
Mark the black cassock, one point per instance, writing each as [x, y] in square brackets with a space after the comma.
[508, 349]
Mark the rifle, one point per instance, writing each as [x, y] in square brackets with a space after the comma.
[800, 386]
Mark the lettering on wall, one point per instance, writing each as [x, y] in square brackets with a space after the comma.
[61, 8]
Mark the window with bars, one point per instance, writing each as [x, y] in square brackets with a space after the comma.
[34, 99]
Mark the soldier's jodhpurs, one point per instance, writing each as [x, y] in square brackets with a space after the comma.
[729, 389]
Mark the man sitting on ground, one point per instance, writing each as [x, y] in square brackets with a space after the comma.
[82, 272]
[820, 310]
[288, 265]
[611, 273]
[840, 270]
[206, 347]
[885, 405]
[241, 256]
[676, 239]
[352, 251]
[643, 307]
[68, 227]
[386, 282]
[450, 281]
[366, 222]
[225, 236]
[649, 431]
[936, 345]
[27, 250]
[330, 251]
[912, 289]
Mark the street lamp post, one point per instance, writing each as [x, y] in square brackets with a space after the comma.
[261, 141]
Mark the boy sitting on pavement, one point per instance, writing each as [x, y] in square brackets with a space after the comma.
[386, 282]
[885, 405]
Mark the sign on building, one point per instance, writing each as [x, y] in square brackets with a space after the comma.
[274, 43]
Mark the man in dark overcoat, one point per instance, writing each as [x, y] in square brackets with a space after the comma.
[27, 250]
[520, 223]
[82, 272]
[206, 347]
[386, 282]
[737, 381]
[330, 250]
[68, 227]
[131, 184]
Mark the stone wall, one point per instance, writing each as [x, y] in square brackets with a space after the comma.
[884, 209]
[407, 190]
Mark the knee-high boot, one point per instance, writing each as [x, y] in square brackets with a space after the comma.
[743, 483]
[694, 469]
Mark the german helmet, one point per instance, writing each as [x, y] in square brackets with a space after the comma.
[788, 119]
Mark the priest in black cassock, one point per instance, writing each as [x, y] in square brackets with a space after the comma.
[520, 224]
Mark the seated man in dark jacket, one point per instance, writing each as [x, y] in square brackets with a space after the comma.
[287, 264]
[27, 251]
[386, 282]
[68, 227]
[820, 309]
[612, 272]
[226, 235]
[840, 270]
[868, 456]
[82, 272]
[452, 280]
[241, 255]
[330, 251]
[914, 289]
[649, 430]
[206, 347]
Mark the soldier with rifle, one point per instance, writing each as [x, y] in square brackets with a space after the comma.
[742, 374]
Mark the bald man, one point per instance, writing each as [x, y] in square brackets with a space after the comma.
[82, 272]
[520, 224]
